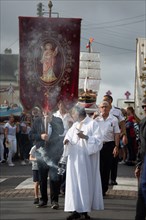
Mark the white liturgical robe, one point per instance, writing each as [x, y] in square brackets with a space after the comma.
[83, 183]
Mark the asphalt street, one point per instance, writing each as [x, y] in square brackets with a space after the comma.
[23, 209]
[17, 201]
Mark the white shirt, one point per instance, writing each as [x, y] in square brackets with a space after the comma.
[117, 113]
[11, 129]
[66, 119]
[33, 153]
[109, 127]
[28, 128]
[49, 128]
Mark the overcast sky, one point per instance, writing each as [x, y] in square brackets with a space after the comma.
[114, 25]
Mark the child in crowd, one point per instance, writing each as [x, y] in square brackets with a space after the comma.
[32, 158]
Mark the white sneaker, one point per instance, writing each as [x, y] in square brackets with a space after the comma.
[23, 163]
[122, 162]
[11, 165]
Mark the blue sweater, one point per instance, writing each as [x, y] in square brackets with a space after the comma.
[143, 180]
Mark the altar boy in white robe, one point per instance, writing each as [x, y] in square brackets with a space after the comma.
[82, 145]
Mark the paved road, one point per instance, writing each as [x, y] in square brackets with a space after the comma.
[16, 191]
[23, 209]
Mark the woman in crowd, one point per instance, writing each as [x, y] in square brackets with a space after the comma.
[2, 160]
[123, 147]
[11, 128]
[24, 140]
[132, 128]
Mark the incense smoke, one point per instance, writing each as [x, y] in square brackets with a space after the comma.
[44, 158]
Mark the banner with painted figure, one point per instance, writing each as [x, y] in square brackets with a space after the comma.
[49, 61]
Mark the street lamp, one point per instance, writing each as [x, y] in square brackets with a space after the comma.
[50, 5]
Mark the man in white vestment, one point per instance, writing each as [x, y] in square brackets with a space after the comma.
[82, 145]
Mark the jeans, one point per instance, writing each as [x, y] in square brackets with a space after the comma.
[140, 207]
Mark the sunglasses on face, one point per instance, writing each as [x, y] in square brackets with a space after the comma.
[143, 106]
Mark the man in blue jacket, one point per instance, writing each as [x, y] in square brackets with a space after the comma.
[140, 171]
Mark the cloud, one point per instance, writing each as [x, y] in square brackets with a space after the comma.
[114, 25]
[118, 69]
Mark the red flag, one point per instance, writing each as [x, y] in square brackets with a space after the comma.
[87, 46]
[49, 60]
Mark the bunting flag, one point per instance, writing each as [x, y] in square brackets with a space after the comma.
[49, 61]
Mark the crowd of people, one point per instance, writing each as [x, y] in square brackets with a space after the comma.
[90, 147]
[14, 137]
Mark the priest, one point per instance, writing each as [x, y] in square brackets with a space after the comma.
[83, 142]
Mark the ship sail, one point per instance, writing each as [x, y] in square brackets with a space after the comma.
[89, 77]
[89, 69]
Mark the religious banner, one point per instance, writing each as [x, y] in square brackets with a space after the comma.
[140, 78]
[49, 61]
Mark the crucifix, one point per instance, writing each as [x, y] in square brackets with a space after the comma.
[127, 94]
[108, 92]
